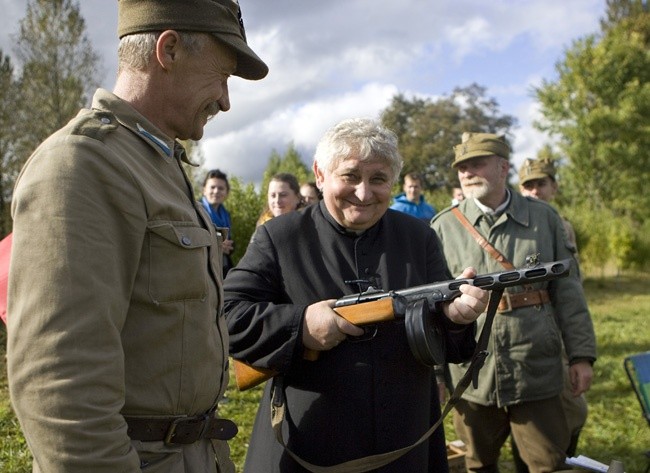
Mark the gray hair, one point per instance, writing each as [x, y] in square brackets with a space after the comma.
[362, 138]
[135, 50]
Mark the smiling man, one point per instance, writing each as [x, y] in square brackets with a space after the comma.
[117, 347]
[367, 393]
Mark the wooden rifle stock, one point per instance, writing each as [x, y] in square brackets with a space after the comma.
[247, 376]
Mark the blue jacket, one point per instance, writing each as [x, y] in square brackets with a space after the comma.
[421, 210]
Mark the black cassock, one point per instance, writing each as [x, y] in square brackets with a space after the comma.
[365, 396]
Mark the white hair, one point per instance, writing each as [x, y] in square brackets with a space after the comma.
[363, 138]
[135, 50]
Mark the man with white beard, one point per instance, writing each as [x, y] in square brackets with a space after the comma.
[519, 387]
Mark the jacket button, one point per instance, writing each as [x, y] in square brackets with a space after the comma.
[185, 240]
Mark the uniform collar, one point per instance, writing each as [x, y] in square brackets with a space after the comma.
[130, 118]
[499, 210]
[515, 208]
[519, 210]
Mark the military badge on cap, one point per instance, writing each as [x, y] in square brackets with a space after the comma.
[533, 169]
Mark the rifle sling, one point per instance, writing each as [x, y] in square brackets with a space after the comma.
[497, 255]
[372, 462]
[483, 243]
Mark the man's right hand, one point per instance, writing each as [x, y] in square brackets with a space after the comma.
[227, 246]
[323, 329]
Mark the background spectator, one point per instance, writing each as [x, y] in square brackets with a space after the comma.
[411, 201]
[215, 191]
[310, 193]
[283, 196]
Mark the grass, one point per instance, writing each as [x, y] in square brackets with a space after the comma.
[615, 428]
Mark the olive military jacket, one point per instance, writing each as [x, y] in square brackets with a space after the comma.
[115, 295]
[525, 346]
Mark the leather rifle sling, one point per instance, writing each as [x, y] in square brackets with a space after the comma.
[483, 243]
[373, 462]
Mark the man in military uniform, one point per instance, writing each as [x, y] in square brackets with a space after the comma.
[537, 180]
[117, 346]
[519, 387]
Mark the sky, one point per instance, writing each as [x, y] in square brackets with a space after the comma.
[335, 59]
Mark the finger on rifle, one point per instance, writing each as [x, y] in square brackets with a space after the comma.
[348, 328]
[476, 292]
[467, 273]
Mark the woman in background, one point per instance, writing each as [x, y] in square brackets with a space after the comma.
[215, 191]
[283, 196]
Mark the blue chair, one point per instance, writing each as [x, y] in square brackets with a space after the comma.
[637, 368]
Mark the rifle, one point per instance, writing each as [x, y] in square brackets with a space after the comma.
[412, 305]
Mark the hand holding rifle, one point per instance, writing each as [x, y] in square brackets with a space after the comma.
[324, 328]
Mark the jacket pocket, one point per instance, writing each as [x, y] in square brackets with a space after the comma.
[178, 261]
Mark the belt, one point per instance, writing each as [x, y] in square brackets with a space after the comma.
[523, 299]
[180, 430]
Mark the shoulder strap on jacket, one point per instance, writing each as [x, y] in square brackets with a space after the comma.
[496, 254]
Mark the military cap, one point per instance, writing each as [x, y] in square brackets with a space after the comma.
[222, 18]
[536, 169]
[474, 145]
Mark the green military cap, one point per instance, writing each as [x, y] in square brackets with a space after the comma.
[222, 18]
[474, 145]
[536, 169]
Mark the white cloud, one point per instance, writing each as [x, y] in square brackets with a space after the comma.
[466, 36]
[302, 126]
[334, 59]
[528, 140]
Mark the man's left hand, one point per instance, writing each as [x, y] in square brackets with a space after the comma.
[580, 374]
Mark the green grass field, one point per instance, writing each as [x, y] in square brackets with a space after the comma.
[615, 428]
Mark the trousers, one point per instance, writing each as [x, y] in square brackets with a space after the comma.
[539, 428]
[575, 411]
[205, 455]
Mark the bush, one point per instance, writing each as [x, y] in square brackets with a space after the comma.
[606, 240]
[244, 205]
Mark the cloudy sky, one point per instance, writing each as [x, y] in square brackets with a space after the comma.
[335, 59]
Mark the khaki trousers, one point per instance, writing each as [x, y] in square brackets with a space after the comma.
[539, 428]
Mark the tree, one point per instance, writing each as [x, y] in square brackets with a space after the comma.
[245, 205]
[598, 111]
[59, 68]
[617, 10]
[428, 130]
[9, 165]
[291, 162]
